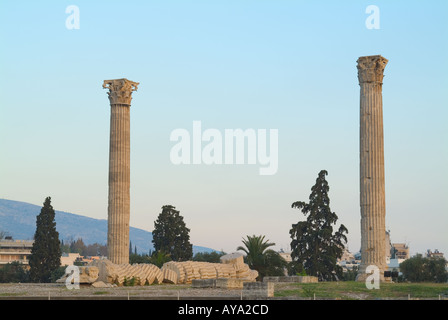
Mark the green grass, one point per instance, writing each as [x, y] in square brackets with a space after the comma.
[11, 294]
[357, 290]
[100, 292]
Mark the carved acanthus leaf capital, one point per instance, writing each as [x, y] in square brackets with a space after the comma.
[120, 90]
[371, 68]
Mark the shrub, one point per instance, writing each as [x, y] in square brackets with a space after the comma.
[421, 269]
[14, 272]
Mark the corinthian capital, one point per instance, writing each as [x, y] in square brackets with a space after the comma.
[120, 90]
[371, 68]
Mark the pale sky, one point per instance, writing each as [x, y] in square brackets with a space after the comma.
[284, 65]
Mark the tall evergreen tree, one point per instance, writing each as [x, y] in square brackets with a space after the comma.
[46, 251]
[171, 235]
[314, 246]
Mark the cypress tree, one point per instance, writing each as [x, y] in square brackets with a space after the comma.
[46, 251]
[315, 246]
[171, 235]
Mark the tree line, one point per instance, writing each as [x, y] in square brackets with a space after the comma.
[78, 246]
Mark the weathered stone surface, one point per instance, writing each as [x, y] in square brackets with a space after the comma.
[185, 272]
[140, 274]
[101, 284]
[225, 270]
[227, 283]
[283, 279]
[120, 91]
[203, 283]
[258, 290]
[235, 258]
[169, 276]
[308, 279]
[107, 271]
[272, 279]
[207, 270]
[87, 275]
[174, 272]
[170, 268]
[371, 69]
[372, 183]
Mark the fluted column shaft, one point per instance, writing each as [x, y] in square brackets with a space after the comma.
[372, 182]
[119, 185]
[119, 170]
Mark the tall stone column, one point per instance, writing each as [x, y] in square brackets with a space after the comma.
[120, 91]
[372, 184]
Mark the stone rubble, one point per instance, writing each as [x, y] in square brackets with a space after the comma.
[103, 271]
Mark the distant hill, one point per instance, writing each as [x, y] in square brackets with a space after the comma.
[18, 219]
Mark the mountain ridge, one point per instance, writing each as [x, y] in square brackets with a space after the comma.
[18, 220]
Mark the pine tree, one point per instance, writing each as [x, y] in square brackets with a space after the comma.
[314, 246]
[171, 236]
[46, 251]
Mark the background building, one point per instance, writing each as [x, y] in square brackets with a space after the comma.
[68, 259]
[400, 251]
[15, 250]
[435, 254]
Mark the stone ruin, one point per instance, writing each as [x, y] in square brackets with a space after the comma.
[105, 272]
[140, 274]
[232, 266]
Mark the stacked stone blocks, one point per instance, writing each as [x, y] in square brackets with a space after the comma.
[232, 272]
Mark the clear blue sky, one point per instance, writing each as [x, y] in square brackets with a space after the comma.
[286, 65]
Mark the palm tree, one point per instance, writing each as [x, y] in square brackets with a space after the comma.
[158, 258]
[266, 261]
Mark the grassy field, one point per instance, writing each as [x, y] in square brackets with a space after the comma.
[345, 290]
[357, 290]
